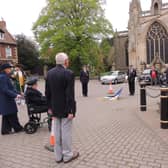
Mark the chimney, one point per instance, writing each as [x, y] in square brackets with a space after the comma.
[2, 24]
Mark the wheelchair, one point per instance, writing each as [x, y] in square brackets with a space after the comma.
[34, 114]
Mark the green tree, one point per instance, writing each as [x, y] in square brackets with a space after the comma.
[28, 52]
[74, 27]
[107, 51]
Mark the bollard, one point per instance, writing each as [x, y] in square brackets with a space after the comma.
[164, 108]
[142, 96]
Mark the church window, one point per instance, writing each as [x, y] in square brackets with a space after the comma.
[156, 9]
[157, 43]
[1, 35]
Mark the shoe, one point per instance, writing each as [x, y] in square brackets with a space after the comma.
[59, 161]
[20, 130]
[7, 133]
[75, 156]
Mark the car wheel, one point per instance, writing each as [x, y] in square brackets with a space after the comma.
[115, 81]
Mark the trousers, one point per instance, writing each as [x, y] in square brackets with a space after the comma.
[10, 121]
[85, 89]
[131, 84]
[63, 134]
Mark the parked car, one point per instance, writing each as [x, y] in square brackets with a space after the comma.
[145, 76]
[162, 79]
[114, 77]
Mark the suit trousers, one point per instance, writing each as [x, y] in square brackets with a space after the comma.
[131, 84]
[84, 88]
[63, 134]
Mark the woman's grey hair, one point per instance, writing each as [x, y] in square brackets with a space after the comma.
[60, 58]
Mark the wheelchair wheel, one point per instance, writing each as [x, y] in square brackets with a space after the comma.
[30, 127]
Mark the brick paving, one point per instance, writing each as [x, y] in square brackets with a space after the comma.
[108, 134]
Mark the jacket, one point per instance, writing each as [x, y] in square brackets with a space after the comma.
[7, 96]
[131, 75]
[84, 76]
[60, 92]
[35, 97]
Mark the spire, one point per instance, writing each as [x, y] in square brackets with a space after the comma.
[156, 6]
[136, 4]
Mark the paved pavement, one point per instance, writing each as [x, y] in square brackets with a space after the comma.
[108, 134]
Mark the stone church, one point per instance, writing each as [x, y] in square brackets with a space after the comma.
[146, 42]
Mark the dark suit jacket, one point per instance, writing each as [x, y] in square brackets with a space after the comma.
[7, 96]
[131, 75]
[84, 76]
[60, 91]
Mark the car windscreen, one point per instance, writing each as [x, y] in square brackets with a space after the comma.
[146, 71]
[114, 74]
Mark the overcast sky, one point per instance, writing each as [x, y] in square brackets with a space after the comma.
[20, 14]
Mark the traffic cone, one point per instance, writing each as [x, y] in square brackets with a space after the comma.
[50, 146]
[52, 137]
[110, 91]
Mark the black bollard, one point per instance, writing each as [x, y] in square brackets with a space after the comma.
[164, 108]
[142, 96]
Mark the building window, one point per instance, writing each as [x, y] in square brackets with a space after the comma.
[157, 43]
[1, 35]
[156, 9]
[8, 52]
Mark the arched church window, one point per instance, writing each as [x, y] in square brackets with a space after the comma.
[156, 9]
[157, 43]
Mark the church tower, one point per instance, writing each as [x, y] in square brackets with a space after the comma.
[156, 7]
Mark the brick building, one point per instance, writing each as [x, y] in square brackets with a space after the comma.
[8, 46]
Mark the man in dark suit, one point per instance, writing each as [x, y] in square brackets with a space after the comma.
[61, 101]
[84, 78]
[131, 80]
[8, 108]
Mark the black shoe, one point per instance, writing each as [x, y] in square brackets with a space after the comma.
[6, 133]
[20, 130]
[59, 161]
[75, 156]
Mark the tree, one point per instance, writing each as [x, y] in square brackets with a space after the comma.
[28, 52]
[72, 26]
[107, 51]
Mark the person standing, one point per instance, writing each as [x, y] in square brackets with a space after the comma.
[131, 80]
[20, 78]
[61, 102]
[84, 78]
[154, 76]
[8, 107]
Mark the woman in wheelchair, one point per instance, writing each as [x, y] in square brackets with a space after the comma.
[34, 97]
[36, 104]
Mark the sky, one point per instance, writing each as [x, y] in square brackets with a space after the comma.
[21, 14]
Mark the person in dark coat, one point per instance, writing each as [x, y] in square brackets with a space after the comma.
[61, 101]
[8, 107]
[131, 80]
[84, 78]
[34, 96]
